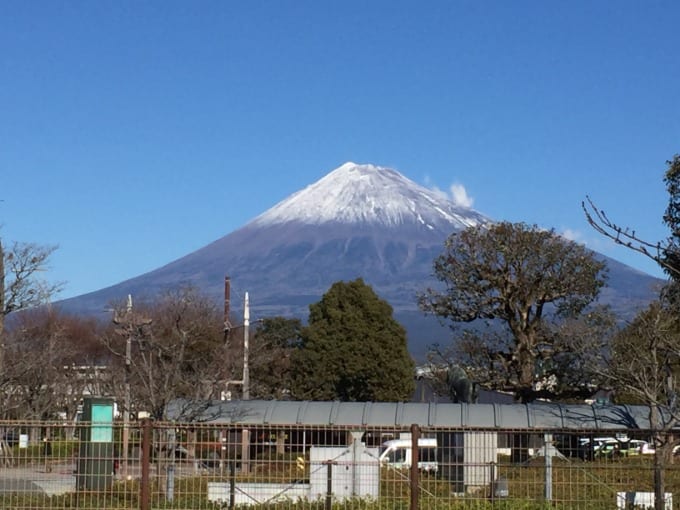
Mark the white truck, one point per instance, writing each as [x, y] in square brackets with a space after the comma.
[397, 453]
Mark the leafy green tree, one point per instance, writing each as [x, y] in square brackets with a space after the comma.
[270, 354]
[521, 282]
[352, 349]
[670, 254]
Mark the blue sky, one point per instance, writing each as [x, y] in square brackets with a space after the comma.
[133, 133]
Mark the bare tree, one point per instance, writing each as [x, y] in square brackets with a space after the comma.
[643, 365]
[48, 365]
[176, 349]
[20, 288]
[645, 359]
[666, 252]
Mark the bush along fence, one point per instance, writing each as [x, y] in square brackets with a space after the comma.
[106, 464]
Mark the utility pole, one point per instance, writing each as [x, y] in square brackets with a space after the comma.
[245, 378]
[129, 326]
[245, 434]
[246, 347]
[2, 309]
[224, 393]
[227, 307]
[128, 397]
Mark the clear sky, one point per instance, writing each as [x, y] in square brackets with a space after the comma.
[135, 132]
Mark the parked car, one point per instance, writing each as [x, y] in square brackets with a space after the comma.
[648, 449]
[608, 447]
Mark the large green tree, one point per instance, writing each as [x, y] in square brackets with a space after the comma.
[523, 283]
[270, 351]
[670, 254]
[352, 349]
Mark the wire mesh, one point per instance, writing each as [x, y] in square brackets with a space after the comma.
[206, 465]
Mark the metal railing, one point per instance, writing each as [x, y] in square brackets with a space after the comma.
[46, 465]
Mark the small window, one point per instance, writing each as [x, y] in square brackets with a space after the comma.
[427, 454]
[397, 456]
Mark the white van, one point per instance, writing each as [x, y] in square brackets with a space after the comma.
[397, 453]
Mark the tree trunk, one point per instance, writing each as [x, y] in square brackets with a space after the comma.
[519, 454]
[660, 455]
[281, 442]
[663, 450]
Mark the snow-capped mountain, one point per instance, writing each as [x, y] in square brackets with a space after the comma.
[369, 195]
[358, 221]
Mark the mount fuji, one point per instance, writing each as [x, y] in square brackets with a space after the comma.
[358, 221]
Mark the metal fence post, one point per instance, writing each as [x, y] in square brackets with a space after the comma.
[548, 446]
[232, 484]
[170, 483]
[329, 484]
[414, 473]
[144, 488]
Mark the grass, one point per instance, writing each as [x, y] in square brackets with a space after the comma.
[576, 484]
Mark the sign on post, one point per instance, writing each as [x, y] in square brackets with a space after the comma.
[96, 451]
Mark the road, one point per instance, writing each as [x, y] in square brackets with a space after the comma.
[36, 479]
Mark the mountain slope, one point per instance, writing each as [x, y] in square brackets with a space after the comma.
[357, 221]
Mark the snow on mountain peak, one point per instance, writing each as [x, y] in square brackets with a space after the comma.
[368, 194]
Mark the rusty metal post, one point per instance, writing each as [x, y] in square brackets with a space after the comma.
[492, 484]
[414, 473]
[144, 489]
[232, 484]
[329, 484]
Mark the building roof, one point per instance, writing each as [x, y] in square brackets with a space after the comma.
[535, 416]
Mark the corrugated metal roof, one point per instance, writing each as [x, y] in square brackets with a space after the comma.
[537, 416]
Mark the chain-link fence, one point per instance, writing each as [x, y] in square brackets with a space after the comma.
[200, 465]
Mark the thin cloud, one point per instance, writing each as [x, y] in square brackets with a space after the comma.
[432, 187]
[440, 193]
[460, 196]
[594, 243]
[457, 193]
[573, 235]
